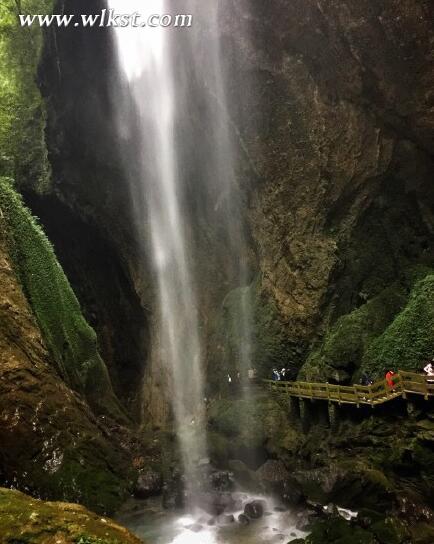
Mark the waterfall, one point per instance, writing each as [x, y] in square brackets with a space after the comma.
[164, 86]
[144, 56]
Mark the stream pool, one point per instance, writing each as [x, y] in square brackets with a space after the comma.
[148, 520]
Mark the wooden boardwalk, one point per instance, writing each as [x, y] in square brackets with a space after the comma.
[405, 383]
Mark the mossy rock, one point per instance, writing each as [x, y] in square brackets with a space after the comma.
[346, 342]
[24, 520]
[69, 338]
[239, 421]
[339, 531]
[23, 151]
[250, 326]
[422, 533]
[409, 340]
[390, 531]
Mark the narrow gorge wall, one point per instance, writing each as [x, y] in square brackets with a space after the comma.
[339, 129]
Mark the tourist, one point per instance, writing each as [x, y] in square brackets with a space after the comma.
[429, 371]
[276, 375]
[282, 373]
[365, 380]
[389, 379]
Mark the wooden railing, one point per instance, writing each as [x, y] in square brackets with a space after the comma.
[377, 393]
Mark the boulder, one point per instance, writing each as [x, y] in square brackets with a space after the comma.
[149, 483]
[222, 480]
[254, 509]
[243, 519]
[272, 474]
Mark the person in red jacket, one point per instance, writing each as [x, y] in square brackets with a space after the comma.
[389, 379]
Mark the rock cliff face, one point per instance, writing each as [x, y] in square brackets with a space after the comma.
[339, 129]
[87, 210]
[51, 442]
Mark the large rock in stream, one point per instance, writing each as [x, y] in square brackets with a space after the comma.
[254, 509]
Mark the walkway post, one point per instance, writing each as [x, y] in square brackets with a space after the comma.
[334, 416]
[294, 409]
[305, 415]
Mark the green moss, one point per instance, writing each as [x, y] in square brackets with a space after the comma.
[261, 335]
[392, 330]
[409, 339]
[339, 531]
[23, 153]
[25, 520]
[347, 341]
[422, 533]
[71, 341]
[390, 531]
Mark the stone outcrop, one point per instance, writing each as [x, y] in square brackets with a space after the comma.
[24, 519]
[337, 121]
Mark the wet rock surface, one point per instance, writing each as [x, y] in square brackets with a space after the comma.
[344, 116]
[50, 441]
[25, 519]
[254, 509]
[149, 483]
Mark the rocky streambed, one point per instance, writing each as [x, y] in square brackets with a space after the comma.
[231, 518]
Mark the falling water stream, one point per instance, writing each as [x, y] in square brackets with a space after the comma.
[145, 58]
[158, 85]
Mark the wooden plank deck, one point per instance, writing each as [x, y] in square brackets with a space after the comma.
[379, 392]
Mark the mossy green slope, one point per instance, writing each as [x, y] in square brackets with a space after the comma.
[345, 344]
[24, 520]
[409, 340]
[70, 340]
[394, 329]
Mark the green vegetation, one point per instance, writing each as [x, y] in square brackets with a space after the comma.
[71, 341]
[268, 345]
[392, 330]
[24, 520]
[344, 346]
[23, 154]
[409, 339]
[376, 530]
[85, 539]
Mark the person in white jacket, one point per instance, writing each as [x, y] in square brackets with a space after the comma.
[429, 371]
